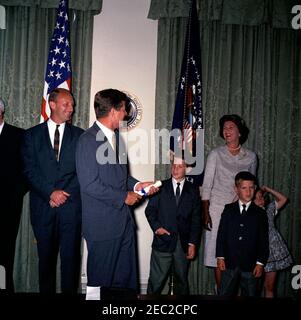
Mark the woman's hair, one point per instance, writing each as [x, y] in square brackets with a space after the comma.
[240, 123]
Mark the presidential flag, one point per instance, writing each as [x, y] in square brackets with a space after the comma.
[58, 71]
[188, 114]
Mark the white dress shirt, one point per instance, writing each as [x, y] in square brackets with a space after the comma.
[51, 129]
[109, 135]
[241, 207]
[175, 184]
[1, 127]
[107, 132]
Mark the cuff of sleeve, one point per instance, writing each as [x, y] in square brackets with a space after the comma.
[134, 189]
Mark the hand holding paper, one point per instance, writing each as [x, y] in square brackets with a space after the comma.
[150, 188]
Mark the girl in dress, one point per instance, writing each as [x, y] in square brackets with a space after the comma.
[279, 257]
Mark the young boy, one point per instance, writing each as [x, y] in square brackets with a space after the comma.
[242, 245]
[174, 214]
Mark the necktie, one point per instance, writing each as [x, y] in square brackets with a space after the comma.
[178, 193]
[56, 142]
[244, 211]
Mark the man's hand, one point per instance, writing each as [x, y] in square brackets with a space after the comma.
[143, 185]
[258, 271]
[160, 231]
[221, 264]
[58, 197]
[132, 198]
[191, 252]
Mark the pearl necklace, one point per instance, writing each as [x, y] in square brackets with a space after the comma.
[234, 149]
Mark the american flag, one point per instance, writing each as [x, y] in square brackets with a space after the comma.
[58, 72]
[188, 114]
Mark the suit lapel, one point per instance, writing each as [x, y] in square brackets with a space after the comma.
[237, 210]
[95, 131]
[47, 142]
[184, 192]
[4, 131]
[66, 141]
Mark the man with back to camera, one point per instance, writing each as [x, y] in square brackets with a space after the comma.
[12, 190]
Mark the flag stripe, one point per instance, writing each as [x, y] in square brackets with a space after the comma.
[188, 114]
[58, 71]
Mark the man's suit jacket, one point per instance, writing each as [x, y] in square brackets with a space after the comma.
[183, 219]
[103, 186]
[12, 183]
[243, 239]
[45, 174]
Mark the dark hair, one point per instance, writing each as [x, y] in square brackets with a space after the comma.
[240, 123]
[107, 99]
[264, 194]
[54, 93]
[245, 176]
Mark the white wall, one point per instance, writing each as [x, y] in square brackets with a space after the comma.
[124, 58]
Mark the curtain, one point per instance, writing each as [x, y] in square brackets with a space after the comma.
[250, 67]
[23, 56]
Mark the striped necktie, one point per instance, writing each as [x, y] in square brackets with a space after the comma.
[56, 142]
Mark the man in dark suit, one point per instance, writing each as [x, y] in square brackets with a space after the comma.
[174, 215]
[107, 191]
[242, 245]
[49, 166]
[12, 189]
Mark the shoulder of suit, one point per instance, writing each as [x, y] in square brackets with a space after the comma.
[13, 128]
[75, 128]
[165, 183]
[37, 127]
[231, 205]
[257, 209]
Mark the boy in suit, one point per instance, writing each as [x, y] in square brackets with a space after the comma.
[242, 245]
[174, 215]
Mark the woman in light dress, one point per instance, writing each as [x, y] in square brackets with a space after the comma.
[223, 163]
[279, 257]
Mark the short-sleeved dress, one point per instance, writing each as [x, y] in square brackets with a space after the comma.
[218, 188]
[279, 257]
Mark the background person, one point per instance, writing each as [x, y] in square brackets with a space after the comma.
[55, 205]
[242, 244]
[279, 257]
[12, 190]
[223, 163]
[174, 214]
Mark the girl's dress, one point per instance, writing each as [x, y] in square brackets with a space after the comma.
[279, 257]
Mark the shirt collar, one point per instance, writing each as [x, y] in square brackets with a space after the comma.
[1, 126]
[241, 207]
[52, 124]
[107, 132]
[174, 182]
